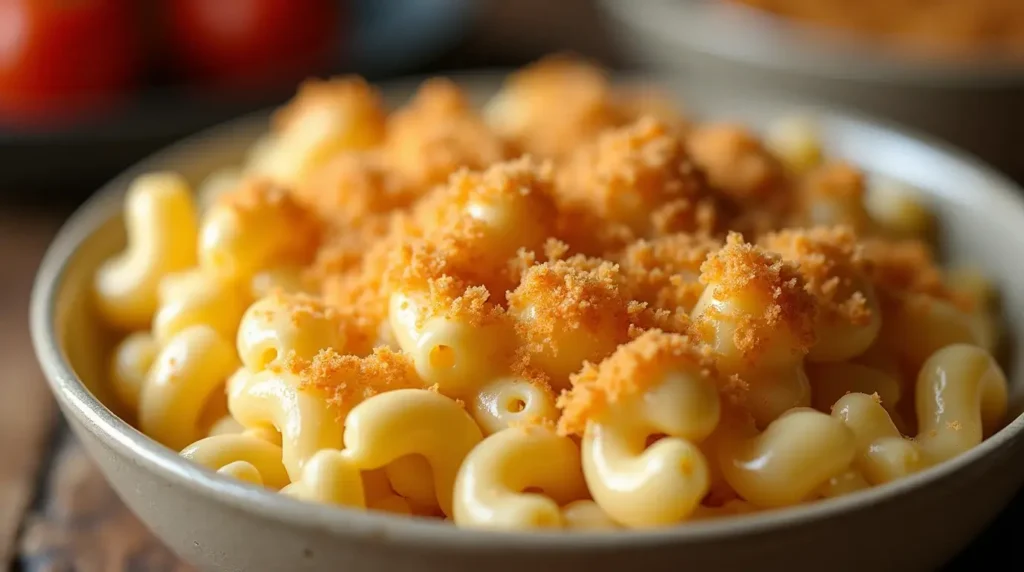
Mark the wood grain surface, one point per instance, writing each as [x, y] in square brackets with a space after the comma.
[27, 411]
[57, 513]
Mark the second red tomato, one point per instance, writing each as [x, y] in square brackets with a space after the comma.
[251, 42]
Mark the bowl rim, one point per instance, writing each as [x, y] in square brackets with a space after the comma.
[745, 35]
[165, 464]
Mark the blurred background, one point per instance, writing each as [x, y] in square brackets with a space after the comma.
[88, 87]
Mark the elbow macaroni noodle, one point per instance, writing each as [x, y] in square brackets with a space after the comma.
[507, 401]
[192, 366]
[490, 488]
[161, 224]
[644, 321]
[305, 419]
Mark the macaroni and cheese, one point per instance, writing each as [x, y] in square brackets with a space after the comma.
[578, 308]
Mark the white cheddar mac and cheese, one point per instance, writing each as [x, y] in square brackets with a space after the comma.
[576, 309]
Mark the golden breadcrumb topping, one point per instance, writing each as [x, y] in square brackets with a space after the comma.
[439, 133]
[460, 253]
[633, 369]
[736, 162]
[902, 267]
[567, 296]
[835, 179]
[350, 379]
[832, 264]
[628, 172]
[354, 186]
[833, 193]
[644, 317]
[549, 108]
[772, 292]
[665, 272]
[523, 179]
[650, 100]
[587, 233]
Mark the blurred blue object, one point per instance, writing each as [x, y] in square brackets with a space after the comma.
[393, 36]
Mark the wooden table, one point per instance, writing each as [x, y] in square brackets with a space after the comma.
[57, 513]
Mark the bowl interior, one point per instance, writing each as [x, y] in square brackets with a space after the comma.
[982, 218]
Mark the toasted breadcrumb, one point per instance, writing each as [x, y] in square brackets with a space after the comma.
[665, 272]
[643, 318]
[439, 133]
[587, 233]
[460, 253]
[832, 264]
[350, 380]
[834, 193]
[743, 271]
[704, 217]
[647, 100]
[522, 178]
[478, 243]
[565, 296]
[513, 199]
[353, 186]
[449, 298]
[899, 268]
[634, 368]
[836, 179]
[628, 172]
[736, 162]
[550, 107]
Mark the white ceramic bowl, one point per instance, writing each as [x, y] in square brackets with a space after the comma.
[219, 524]
[975, 103]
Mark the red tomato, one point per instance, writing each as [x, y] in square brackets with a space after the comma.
[60, 57]
[251, 42]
